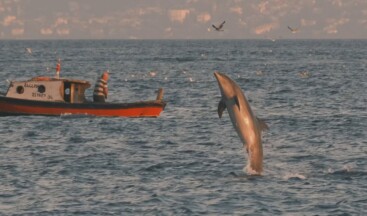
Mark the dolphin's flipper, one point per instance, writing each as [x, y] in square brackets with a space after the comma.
[263, 126]
[237, 102]
[221, 107]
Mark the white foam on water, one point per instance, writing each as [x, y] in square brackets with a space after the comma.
[294, 176]
[250, 171]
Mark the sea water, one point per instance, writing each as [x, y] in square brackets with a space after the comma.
[311, 93]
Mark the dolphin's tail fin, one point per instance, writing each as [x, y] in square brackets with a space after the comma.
[262, 125]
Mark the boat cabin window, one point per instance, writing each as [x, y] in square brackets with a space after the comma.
[41, 89]
[67, 92]
[20, 89]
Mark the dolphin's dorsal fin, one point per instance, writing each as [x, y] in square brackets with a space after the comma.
[221, 107]
[262, 125]
[237, 102]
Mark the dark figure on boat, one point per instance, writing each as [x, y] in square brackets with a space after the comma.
[101, 90]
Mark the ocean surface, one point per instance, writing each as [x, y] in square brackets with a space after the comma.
[311, 93]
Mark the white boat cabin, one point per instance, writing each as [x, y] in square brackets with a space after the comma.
[49, 89]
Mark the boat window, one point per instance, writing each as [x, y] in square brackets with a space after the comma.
[20, 89]
[67, 91]
[41, 89]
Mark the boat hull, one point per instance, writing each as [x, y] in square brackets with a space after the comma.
[13, 106]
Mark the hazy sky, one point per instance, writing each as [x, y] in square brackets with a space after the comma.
[181, 19]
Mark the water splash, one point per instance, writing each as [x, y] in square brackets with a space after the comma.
[249, 170]
[294, 176]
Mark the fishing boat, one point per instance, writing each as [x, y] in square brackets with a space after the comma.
[59, 96]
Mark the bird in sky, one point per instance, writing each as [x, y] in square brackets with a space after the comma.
[220, 27]
[293, 30]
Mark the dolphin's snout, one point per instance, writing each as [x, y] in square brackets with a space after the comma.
[222, 79]
[217, 74]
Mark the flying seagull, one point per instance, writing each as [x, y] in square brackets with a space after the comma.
[293, 30]
[219, 28]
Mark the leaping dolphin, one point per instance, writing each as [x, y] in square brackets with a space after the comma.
[247, 125]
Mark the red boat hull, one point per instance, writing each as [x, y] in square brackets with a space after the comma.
[13, 106]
